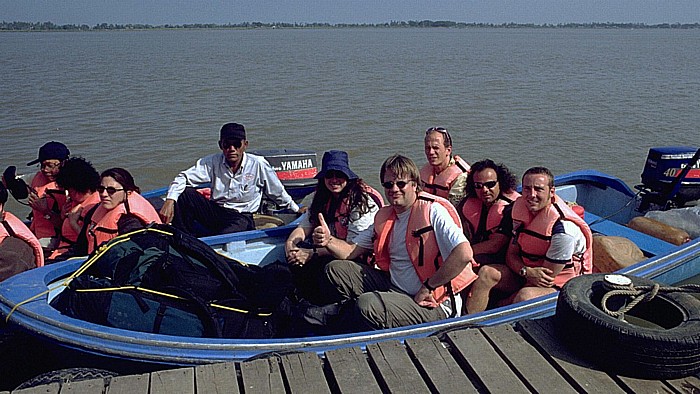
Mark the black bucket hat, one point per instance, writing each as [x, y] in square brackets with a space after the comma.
[336, 160]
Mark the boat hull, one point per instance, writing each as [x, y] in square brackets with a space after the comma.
[670, 264]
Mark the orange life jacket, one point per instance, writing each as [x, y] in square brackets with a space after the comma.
[421, 244]
[13, 227]
[534, 236]
[103, 223]
[68, 233]
[441, 183]
[342, 213]
[55, 196]
[471, 212]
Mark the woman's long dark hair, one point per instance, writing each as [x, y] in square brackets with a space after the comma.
[123, 177]
[354, 191]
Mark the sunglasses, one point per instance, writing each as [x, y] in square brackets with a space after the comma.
[110, 190]
[225, 144]
[335, 174]
[444, 132]
[489, 184]
[390, 184]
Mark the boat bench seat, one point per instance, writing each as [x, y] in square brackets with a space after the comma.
[651, 246]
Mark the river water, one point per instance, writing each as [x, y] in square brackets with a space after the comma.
[153, 101]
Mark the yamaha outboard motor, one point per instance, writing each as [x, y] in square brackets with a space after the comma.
[671, 178]
[296, 168]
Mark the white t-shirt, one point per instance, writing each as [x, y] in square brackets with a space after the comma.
[403, 274]
[567, 241]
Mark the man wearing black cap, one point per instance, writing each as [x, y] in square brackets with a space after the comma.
[238, 181]
[46, 198]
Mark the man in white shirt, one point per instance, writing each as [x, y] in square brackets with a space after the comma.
[423, 257]
[238, 181]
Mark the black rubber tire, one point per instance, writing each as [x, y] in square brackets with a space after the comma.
[669, 351]
[63, 376]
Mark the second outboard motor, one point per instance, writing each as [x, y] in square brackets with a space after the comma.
[671, 178]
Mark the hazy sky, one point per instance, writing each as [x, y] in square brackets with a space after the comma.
[157, 12]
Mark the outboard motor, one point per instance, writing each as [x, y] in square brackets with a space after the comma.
[296, 168]
[671, 178]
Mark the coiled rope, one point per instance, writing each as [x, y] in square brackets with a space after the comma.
[639, 294]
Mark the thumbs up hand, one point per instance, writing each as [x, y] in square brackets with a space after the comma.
[322, 234]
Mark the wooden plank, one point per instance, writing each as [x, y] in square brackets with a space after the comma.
[476, 353]
[439, 369]
[537, 373]
[217, 378]
[52, 388]
[397, 372]
[690, 385]
[583, 375]
[172, 381]
[129, 384]
[641, 386]
[262, 376]
[351, 371]
[304, 371]
[90, 386]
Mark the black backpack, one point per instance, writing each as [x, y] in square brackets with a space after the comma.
[162, 280]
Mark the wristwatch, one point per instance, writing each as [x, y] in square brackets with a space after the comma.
[523, 271]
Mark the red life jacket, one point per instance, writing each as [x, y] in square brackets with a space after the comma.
[441, 183]
[534, 236]
[13, 227]
[471, 212]
[421, 243]
[68, 233]
[103, 223]
[55, 196]
[342, 213]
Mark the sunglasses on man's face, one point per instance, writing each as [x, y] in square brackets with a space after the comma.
[110, 190]
[226, 144]
[489, 184]
[390, 184]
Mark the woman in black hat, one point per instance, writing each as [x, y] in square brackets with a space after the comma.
[348, 206]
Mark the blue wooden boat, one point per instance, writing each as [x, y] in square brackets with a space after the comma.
[609, 203]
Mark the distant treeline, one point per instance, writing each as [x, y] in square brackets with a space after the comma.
[49, 26]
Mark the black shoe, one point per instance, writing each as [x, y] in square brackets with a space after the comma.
[320, 315]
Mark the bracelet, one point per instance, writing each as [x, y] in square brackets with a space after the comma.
[427, 286]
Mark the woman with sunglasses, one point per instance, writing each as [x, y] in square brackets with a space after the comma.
[348, 206]
[80, 180]
[490, 191]
[444, 175]
[120, 210]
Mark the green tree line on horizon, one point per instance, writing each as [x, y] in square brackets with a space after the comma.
[49, 26]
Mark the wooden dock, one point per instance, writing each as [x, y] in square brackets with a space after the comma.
[500, 359]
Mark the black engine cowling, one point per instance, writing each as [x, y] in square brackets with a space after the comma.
[661, 182]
